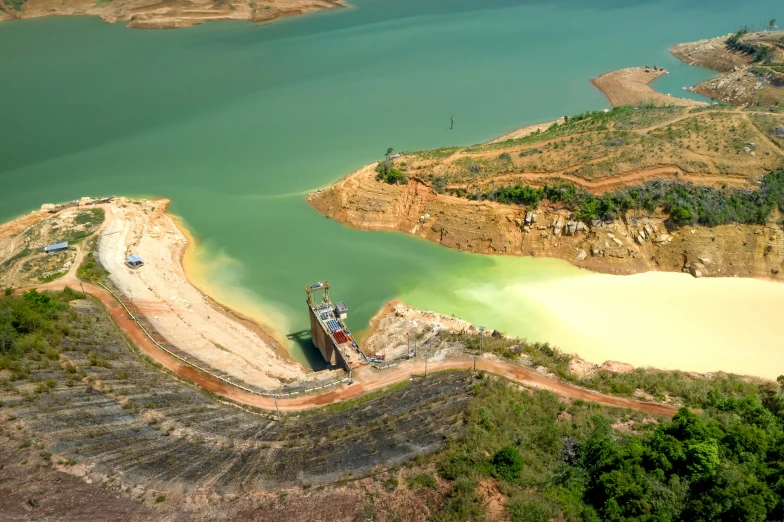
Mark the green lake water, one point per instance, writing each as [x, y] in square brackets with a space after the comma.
[235, 123]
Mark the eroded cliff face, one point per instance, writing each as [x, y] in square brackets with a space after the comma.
[632, 245]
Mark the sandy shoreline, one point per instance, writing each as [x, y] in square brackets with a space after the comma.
[260, 325]
[162, 292]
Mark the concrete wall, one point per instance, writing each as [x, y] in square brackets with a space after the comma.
[322, 340]
[324, 343]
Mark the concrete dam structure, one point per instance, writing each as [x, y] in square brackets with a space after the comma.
[329, 332]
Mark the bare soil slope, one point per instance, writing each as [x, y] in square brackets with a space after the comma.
[166, 14]
[22, 260]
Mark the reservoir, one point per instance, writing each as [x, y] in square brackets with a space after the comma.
[236, 123]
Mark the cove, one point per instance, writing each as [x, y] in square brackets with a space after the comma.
[235, 123]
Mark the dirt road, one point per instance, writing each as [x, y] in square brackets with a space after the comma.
[633, 177]
[366, 380]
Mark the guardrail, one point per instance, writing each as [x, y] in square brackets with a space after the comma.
[204, 370]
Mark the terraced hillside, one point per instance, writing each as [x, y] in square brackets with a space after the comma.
[623, 191]
[82, 398]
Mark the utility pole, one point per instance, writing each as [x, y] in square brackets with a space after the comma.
[426, 362]
[83, 294]
[451, 122]
[276, 407]
[481, 339]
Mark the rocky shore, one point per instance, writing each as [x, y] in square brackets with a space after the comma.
[743, 79]
[625, 246]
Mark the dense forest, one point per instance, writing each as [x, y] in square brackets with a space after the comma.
[577, 461]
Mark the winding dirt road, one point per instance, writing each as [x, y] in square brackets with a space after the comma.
[365, 381]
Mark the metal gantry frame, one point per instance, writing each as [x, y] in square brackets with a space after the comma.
[311, 289]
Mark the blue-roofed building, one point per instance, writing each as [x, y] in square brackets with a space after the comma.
[56, 247]
[134, 261]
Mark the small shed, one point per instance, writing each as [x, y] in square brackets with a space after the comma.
[134, 261]
[341, 310]
[56, 247]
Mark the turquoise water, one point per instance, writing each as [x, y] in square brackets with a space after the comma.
[235, 123]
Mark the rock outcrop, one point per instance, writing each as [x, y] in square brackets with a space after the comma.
[627, 246]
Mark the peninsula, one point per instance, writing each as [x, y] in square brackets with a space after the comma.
[657, 183]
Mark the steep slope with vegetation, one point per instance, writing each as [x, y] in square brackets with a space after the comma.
[544, 460]
[628, 190]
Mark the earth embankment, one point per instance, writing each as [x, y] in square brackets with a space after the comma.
[161, 292]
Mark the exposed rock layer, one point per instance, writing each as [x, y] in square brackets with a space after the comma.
[622, 247]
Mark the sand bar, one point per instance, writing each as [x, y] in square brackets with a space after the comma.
[632, 86]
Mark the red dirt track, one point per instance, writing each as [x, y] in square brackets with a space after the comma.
[512, 372]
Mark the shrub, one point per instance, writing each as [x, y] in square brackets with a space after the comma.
[507, 464]
[386, 171]
[760, 53]
[684, 202]
[391, 483]
[89, 269]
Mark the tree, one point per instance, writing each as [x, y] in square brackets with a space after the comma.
[389, 151]
[702, 459]
[772, 23]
